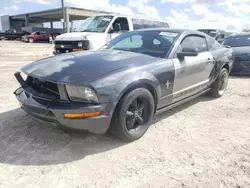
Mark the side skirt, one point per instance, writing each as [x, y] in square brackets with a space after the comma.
[181, 102]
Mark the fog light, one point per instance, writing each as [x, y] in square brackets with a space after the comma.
[82, 115]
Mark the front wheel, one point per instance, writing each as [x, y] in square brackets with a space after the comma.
[133, 115]
[31, 40]
[220, 85]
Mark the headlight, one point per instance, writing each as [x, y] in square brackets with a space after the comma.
[80, 44]
[81, 94]
[24, 76]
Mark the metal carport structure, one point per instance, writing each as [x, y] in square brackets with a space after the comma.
[53, 15]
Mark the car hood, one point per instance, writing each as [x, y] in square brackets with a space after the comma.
[241, 50]
[73, 36]
[82, 67]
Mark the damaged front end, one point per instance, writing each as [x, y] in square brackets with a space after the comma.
[49, 102]
[38, 88]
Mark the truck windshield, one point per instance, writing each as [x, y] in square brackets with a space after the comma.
[153, 43]
[96, 24]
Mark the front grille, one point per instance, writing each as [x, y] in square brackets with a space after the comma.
[68, 46]
[64, 42]
[43, 88]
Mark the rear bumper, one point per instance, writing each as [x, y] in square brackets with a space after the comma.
[53, 112]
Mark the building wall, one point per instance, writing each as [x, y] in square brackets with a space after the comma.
[4, 22]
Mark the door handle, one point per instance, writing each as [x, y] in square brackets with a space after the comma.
[208, 59]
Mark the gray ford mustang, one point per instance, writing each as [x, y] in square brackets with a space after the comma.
[121, 86]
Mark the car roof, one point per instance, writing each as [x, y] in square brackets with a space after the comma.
[179, 31]
[239, 34]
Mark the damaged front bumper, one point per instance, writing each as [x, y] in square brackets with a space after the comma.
[54, 110]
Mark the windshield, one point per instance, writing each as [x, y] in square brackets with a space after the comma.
[211, 33]
[96, 24]
[237, 41]
[153, 43]
[35, 33]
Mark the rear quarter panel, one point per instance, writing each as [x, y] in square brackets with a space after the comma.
[223, 56]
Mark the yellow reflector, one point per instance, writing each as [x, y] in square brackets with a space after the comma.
[76, 50]
[82, 115]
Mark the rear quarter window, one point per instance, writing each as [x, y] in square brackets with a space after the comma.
[195, 42]
[213, 44]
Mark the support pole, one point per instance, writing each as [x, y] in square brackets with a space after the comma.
[67, 21]
[63, 15]
[26, 20]
[51, 24]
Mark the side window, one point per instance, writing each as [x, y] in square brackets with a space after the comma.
[37, 33]
[131, 42]
[142, 24]
[138, 24]
[195, 42]
[212, 44]
[162, 25]
[123, 23]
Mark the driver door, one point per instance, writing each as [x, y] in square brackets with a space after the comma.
[119, 25]
[44, 36]
[37, 36]
[191, 75]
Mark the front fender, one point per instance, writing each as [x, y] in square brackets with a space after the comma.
[111, 88]
[139, 78]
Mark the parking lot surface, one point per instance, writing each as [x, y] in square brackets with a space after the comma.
[204, 143]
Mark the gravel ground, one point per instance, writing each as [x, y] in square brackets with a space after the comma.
[204, 143]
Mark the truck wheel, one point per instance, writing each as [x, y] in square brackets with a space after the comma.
[220, 85]
[31, 40]
[133, 115]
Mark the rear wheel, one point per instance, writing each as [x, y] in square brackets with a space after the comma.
[133, 115]
[220, 85]
[31, 40]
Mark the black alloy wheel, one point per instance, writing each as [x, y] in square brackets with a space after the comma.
[136, 115]
[133, 115]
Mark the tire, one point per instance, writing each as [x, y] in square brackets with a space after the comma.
[126, 126]
[220, 85]
[31, 40]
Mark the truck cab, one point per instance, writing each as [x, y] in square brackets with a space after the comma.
[99, 30]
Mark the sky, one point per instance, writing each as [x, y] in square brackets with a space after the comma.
[230, 15]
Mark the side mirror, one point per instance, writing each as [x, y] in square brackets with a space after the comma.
[187, 52]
